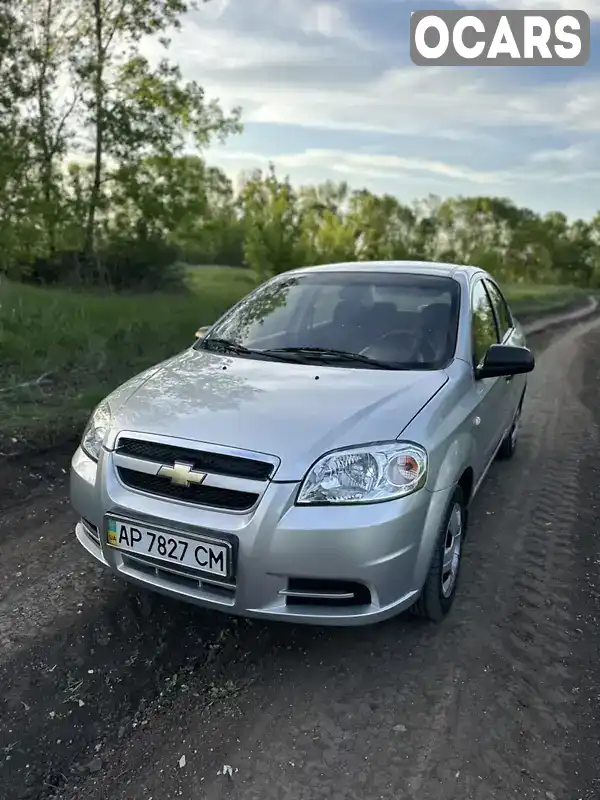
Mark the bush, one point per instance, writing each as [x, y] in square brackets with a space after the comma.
[68, 267]
[123, 263]
[145, 265]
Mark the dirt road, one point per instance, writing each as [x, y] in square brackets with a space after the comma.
[109, 693]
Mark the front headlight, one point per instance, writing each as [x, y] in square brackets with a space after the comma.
[367, 474]
[96, 430]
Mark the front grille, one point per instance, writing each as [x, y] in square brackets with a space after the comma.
[211, 496]
[216, 463]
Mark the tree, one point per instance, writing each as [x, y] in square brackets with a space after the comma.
[384, 228]
[133, 110]
[15, 139]
[273, 224]
[54, 29]
[102, 178]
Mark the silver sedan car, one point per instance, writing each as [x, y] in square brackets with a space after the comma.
[313, 455]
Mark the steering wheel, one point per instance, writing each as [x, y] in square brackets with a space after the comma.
[400, 345]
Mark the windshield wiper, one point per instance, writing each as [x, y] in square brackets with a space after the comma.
[324, 354]
[226, 346]
[303, 354]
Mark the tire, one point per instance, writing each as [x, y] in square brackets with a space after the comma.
[440, 586]
[510, 441]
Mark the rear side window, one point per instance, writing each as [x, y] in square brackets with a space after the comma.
[503, 314]
[484, 330]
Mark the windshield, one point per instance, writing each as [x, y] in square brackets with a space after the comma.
[405, 320]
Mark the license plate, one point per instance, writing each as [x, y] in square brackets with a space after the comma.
[201, 554]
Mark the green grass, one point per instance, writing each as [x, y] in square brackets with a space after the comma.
[527, 300]
[62, 351]
[220, 285]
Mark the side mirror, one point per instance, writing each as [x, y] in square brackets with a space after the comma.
[504, 359]
[201, 332]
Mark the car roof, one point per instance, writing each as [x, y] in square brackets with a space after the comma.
[413, 267]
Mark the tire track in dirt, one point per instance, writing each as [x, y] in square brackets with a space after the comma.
[533, 641]
[584, 745]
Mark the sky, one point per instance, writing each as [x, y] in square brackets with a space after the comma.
[328, 91]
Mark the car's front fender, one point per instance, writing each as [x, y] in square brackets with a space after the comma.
[451, 462]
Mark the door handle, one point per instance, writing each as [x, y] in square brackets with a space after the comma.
[509, 378]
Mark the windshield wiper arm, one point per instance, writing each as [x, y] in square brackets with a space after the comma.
[331, 355]
[304, 354]
[225, 345]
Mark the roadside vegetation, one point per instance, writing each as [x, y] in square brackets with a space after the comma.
[106, 199]
[63, 350]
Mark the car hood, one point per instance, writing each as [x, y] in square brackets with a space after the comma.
[293, 411]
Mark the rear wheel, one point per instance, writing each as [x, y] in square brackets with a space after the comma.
[509, 444]
[440, 586]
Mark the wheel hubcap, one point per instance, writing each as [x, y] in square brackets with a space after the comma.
[452, 550]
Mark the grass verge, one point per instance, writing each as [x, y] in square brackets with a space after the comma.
[530, 301]
[62, 351]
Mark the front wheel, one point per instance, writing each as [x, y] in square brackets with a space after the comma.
[439, 590]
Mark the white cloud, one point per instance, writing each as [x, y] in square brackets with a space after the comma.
[565, 155]
[591, 7]
[347, 164]
[308, 70]
[546, 168]
[229, 52]
[325, 19]
[579, 178]
[215, 9]
[306, 63]
[447, 103]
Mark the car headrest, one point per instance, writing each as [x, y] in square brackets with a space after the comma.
[383, 313]
[346, 311]
[357, 293]
[435, 316]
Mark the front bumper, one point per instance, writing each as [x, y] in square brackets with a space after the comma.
[383, 548]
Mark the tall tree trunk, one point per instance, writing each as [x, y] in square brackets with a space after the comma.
[47, 155]
[89, 246]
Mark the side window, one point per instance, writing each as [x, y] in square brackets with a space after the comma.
[500, 307]
[485, 332]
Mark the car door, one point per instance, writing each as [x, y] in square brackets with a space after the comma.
[508, 334]
[492, 393]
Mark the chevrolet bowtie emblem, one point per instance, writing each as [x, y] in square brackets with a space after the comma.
[182, 474]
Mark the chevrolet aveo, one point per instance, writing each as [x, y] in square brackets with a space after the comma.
[312, 457]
